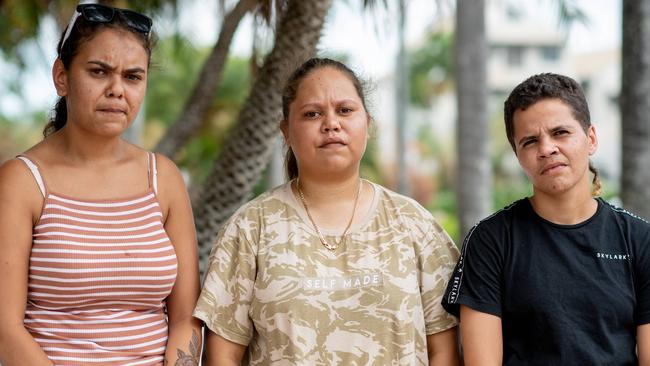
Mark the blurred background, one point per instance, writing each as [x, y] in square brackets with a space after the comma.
[437, 73]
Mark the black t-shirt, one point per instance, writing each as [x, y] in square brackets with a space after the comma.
[566, 294]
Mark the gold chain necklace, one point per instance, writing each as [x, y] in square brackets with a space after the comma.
[320, 235]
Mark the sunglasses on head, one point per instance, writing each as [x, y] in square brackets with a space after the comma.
[96, 13]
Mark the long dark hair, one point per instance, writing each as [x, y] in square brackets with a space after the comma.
[291, 88]
[83, 31]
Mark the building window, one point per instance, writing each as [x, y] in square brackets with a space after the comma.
[550, 53]
[515, 55]
[513, 12]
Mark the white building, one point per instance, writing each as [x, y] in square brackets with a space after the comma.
[521, 44]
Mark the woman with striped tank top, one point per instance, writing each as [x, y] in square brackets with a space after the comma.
[98, 251]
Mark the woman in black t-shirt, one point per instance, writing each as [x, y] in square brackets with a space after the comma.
[561, 277]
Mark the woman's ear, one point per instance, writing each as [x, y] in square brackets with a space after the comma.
[60, 78]
[593, 139]
[284, 127]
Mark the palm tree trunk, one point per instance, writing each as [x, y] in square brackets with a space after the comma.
[191, 118]
[474, 176]
[246, 151]
[635, 107]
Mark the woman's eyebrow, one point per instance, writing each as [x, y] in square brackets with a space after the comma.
[133, 70]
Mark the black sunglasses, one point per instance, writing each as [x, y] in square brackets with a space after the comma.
[104, 14]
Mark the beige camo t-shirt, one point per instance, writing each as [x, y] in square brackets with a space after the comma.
[274, 287]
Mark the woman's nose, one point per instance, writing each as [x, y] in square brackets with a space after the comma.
[546, 148]
[331, 123]
[115, 89]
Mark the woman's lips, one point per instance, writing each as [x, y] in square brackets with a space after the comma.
[112, 110]
[333, 143]
[550, 168]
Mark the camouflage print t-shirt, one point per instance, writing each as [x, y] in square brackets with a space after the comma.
[274, 287]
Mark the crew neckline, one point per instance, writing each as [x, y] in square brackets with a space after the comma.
[300, 209]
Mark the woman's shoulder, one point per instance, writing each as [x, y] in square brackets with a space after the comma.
[503, 220]
[17, 182]
[169, 176]
[164, 165]
[267, 203]
[398, 200]
[13, 171]
[626, 216]
[401, 208]
[519, 209]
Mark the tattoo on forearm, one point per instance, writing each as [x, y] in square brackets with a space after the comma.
[191, 359]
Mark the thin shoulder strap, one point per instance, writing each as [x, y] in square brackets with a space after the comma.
[37, 175]
[153, 172]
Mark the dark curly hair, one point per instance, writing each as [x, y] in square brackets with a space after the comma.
[549, 86]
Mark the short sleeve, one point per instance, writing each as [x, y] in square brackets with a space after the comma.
[228, 286]
[641, 261]
[477, 279]
[437, 255]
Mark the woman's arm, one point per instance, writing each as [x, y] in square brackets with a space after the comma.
[222, 352]
[184, 343]
[442, 348]
[20, 205]
[481, 337]
[643, 344]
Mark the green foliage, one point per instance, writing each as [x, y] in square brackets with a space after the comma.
[21, 20]
[431, 68]
[235, 84]
[18, 136]
[510, 190]
[444, 209]
[175, 67]
[443, 200]
[444, 206]
[370, 167]
[199, 154]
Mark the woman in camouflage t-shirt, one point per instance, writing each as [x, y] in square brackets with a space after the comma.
[328, 269]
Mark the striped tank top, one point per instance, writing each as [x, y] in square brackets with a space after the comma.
[99, 273]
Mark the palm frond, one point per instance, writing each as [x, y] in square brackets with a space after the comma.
[370, 4]
[569, 12]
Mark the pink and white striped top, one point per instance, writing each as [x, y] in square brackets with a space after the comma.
[99, 273]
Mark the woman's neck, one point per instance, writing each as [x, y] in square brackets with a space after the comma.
[82, 148]
[572, 207]
[334, 204]
[326, 191]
